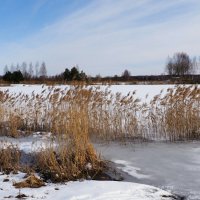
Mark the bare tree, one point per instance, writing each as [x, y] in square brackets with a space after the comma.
[179, 64]
[30, 70]
[12, 68]
[17, 67]
[194, 68]
[169, 66]
[36, 69]
[198, 65]
[24, 70]
[6, 69]
[43, 70]
[126, 74]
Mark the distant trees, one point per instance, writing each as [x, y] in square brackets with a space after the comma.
[179, 64]
[6, 69]
[36, 69]
[67, 75]
[126, 74]
[7, 76]
[13, 77]
[28, 70]
[37, 72]
[43, 70]
[74, 74]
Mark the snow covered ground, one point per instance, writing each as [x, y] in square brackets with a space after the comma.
[85, 190]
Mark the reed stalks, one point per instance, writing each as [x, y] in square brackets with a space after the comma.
[80, 114]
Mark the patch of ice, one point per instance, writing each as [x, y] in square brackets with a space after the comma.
[131, 170]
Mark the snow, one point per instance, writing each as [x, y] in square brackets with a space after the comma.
[30, 144]
[144, 92]
[84, 190]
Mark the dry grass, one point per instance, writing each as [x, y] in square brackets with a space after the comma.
[92, 113]
[9, 159]
[80, 114]
[181, 113]
[30, 182]
[69, 163]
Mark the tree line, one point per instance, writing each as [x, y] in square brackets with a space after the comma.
[28, 70]
[16, 74]
[179, 65]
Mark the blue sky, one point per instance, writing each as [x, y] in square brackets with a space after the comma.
[101, 36]
[22, 18]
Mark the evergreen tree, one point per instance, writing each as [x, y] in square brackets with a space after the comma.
[7, 76]
[13, 77]
[17, 77]
[67, 75]
[74, 74]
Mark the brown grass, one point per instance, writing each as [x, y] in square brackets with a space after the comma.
[30, 182]
[9, 159]
[93, 113]
[70, 163]
[80, 114]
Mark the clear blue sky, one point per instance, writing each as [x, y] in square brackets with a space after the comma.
[22, 18]
[101, 36]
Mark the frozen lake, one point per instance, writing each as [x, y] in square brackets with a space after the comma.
[170, 166]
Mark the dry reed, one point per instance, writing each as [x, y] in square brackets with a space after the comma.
[79, 114]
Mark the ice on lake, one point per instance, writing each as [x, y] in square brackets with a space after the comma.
[170, 166]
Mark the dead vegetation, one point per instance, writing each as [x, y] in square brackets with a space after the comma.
[176, 116]
[9, 159]
[30, 182]
[79, 114]
[69, 163]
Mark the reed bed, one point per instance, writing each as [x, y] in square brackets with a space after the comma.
[78, 115]
[94, 113]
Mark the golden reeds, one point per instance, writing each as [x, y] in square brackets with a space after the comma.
[79, 114]
[9, 158]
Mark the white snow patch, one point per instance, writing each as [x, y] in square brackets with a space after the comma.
[36, 143]
[86, 190]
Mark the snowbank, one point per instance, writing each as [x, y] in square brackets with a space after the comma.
[86, 190]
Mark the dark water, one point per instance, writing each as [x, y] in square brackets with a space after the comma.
[174, 167]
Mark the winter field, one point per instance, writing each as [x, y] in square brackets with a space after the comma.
[69, 135]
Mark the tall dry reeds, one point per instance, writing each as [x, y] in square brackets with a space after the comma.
[91, 112]
[78, 114]
[181, 113]
[9, 158]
